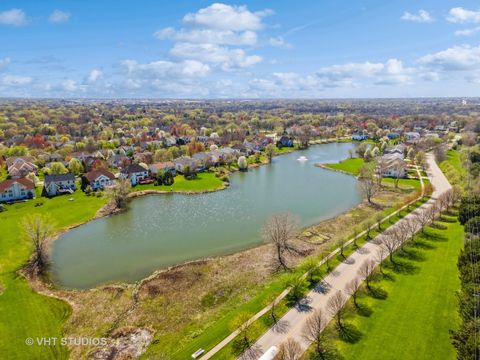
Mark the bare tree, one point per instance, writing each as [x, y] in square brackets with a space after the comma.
[389, 244]
[289, 350]
[399, 170]
[335, 307]
[411, 226]
[378, 219]
[39, 229]
[341, 244]
[352, 289]
[313, 331]
[355, 234]
[280, 230]
[118, 193]
[432, 213]
[366, 272]
[379, 256]
[368, 228]
[243, 323]
[422, 217]
[367, 181]
[399, 234]
[381, 167]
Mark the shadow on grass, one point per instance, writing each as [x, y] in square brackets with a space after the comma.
[330, 353]
[412, 254]
[435, 237]
[422, 244]
[447, 219]
[403, 267]
[438, 225]
[244, 351]
[377, 293]
[388, 276]
[349, 334]
[364, 310]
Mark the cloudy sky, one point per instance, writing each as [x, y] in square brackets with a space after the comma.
[246, 49]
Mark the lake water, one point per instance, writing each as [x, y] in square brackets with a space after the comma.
[162, 230]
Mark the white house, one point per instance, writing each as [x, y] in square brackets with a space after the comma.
[16, 189]
[20, 166]
[97, 179]
[393, 165]
[135, 173]
[57, 184]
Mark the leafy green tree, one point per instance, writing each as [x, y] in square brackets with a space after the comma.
[75, 166]
[58, 168]
[270, 151]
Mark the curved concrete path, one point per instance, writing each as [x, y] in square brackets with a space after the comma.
[294, 320]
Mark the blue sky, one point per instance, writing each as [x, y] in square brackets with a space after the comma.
[247, 49]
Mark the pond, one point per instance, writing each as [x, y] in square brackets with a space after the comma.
[163, 230]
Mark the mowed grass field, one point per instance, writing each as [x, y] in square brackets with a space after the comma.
[25, 313]
[351, 166]
[414, 321]
[205, 181]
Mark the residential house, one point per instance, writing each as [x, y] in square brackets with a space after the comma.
[20, 166]
[285, 141]
[183, 162]
[135, 173]
[168, 166]
[204, 160]
[57, 184]
[412, 136]
[16, 189]
[359, 137]
[393, 135]
[119, 161]
[97, 179]
[393, 165]
[397, 149]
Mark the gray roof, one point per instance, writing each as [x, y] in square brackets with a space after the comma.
[59, 177]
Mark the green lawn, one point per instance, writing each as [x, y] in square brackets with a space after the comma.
[23, 312]
[221, 328]
[414, 321]
[452, 168]
[205, 181]
[351, 166]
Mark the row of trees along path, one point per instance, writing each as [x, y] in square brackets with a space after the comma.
[344, 278]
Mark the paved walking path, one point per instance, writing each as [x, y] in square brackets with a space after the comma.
[294, 320]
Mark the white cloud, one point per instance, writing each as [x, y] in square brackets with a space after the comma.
[69, 85]
[227, 17]
[59, 16]
[166, 69]
[15, 80]
[13, 17]
[210, 36]
[468, 32]
[4, 62]
[94, 75]
[392, 72]
[463, 57]
[460, 15]
[422, 16]
[211, 53]
[279, 42]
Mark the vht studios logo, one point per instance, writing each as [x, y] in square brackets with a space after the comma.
[66, 341]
